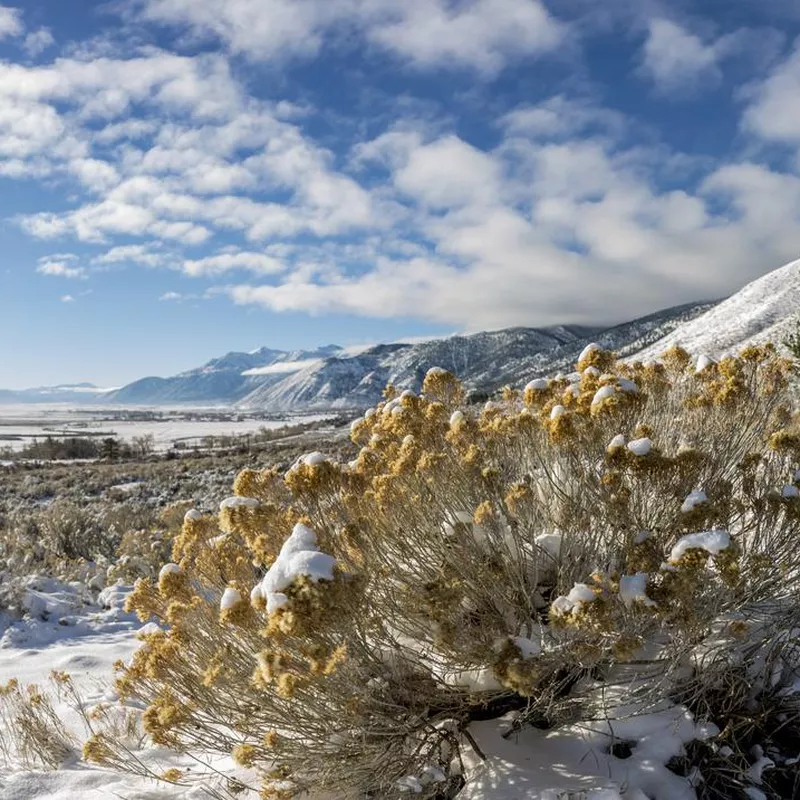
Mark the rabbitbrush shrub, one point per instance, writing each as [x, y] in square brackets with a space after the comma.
[340, 626]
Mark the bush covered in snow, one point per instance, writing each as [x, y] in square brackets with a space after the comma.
[341, 626]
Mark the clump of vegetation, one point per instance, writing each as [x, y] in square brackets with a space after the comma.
[36, 736]
[340, 626]
[141, 553]
[74, 541]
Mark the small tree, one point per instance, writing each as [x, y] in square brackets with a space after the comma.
[144, 445]
[110, 449]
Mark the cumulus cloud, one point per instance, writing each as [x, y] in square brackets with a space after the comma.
[484, 34]
[562, 117]
[774, 113]
[36, 42]
[10, 22]
[67, 298]
[539, 231]
[61, 265]
[148, 255]
[563, 217]
[676, 59]
[258, 263]
[179, 173]
[480, 35]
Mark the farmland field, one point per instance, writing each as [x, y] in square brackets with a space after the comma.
[21, 425]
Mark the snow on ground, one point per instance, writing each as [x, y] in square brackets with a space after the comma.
[83, 640]
[29, 422]
[576, 761]
[620, 756]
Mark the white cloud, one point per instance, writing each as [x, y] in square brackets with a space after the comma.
[449, 173]
[67, 298]
[561, 220]
[261, 29]
[99, 222]
[678, 60]
[774, 113]
[562, 117]
[61, 266]
[257, 263]
[96, 175]
[550, 231]
[481, 35]
[36, 42]
[170, 296]
[10, 22]
[180, 173]
[147, 255]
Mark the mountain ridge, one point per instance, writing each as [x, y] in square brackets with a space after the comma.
[332, 377]
[766, 309]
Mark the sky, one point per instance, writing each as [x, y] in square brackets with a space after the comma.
[182, 178]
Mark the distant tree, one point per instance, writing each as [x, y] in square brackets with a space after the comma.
[143, 446]
[110, 449]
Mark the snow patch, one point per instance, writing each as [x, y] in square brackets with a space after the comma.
[693, 499]
[537, 385]
[299, 556]
[640, 447]
[230, 598]
[239, 502]
[632, 590]
[713, 542]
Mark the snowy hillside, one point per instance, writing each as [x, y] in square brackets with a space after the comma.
[221, 380]
[764, 311]
[332, 377]
[484, 361]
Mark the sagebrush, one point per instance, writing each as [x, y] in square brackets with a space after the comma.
[341, 625]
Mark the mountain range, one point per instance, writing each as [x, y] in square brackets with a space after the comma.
[332, 377]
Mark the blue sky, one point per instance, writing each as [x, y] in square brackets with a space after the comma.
[180, 178]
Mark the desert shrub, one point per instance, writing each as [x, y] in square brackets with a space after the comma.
[35, 735]
[71, 541]
[745, 681]
[340, 626]
[70, 531]
[142, 552]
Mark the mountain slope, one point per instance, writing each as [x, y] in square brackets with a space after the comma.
[330, 377]
[483, 361]
[765, 310]
[221, 380]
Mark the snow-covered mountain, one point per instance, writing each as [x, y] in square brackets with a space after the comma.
[222, 380]
[765, 310]
[68, 393]
[332, 377]
[484, 361]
